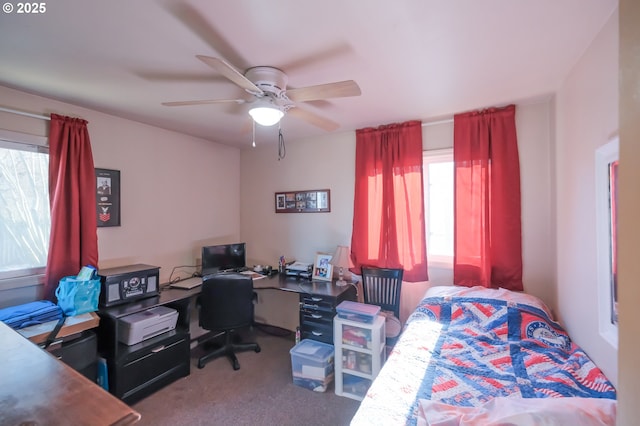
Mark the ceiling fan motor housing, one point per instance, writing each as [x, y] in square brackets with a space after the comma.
[269, 79]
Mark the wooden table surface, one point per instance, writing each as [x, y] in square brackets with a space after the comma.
[72, 325]
[37, 389]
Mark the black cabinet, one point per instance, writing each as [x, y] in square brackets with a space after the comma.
[151, 366]
[79, 353]
[136, 371]
[317, 309]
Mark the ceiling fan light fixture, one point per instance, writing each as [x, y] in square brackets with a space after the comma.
[266, 114]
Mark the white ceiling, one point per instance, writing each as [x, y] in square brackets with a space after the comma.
[413, 59]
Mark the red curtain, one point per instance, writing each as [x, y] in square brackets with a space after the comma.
[488, 240]
[388, 217]
[72, 197]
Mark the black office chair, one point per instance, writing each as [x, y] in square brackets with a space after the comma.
[381, 286]
[226, 304]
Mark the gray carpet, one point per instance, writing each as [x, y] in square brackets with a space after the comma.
[262, 392]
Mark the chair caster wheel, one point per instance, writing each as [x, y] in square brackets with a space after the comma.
[200, 365]
[258, 349]
[236, 366]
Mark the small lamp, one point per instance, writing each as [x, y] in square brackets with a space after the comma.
[342, 259]
[266, 113]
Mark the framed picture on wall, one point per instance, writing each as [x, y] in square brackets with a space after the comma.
[322, 269]
[107, 197]
[308, 201]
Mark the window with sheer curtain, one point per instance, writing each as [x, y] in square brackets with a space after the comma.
[24, 208]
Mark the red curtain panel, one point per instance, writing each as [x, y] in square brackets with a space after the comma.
[388, 219]
[72, 197]
[487, 229]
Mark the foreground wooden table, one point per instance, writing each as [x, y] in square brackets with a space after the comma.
[37, 389]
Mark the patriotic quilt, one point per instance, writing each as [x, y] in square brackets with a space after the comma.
[467, 350]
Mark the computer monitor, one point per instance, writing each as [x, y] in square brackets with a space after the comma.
[223, 257]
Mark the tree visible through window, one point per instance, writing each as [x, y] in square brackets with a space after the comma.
[24, 209]
[438, 200]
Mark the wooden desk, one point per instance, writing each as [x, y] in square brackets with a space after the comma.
[38, 389]
[298, 285]
[287, 315]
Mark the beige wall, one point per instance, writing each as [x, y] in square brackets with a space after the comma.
[587, 117]
[178, 192]
[329, 162]
[629, 266]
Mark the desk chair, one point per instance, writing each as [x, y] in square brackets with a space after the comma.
[226, 304]
[381, 286]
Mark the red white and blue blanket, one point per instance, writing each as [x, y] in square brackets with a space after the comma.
[466, 351]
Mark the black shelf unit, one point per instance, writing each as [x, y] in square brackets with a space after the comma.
[137, 371]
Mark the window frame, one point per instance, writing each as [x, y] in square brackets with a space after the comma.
[429, 157]
[605, 155]
[27, 142]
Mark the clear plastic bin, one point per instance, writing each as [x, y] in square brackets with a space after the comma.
[354, 311]
[312, 364]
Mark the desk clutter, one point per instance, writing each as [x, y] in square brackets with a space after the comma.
[299, 270]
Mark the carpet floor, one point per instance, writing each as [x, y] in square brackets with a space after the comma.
[262, 392]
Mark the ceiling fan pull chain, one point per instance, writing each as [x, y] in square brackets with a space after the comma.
[281, 148]
[253, 144]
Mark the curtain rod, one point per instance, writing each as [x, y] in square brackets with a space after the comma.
[433, 123]
[26, 114]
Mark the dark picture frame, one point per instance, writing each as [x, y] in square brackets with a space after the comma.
[307, 201]
[107, 197]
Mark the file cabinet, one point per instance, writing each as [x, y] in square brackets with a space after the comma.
[317, 310]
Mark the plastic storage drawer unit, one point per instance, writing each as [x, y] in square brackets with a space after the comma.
[312, 364]
[354, 311]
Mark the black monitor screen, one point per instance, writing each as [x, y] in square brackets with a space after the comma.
[223, 257]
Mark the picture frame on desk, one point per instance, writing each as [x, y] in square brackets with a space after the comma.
[322, 268]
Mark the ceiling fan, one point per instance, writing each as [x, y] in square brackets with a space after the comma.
[270, 97]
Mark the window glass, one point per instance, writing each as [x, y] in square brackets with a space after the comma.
[438, 199]
[24, 209]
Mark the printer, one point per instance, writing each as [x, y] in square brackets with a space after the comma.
[144, 325]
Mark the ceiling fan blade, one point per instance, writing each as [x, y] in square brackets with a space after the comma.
[339, 89]
[204, 102]
[231, 73]
[313, 118]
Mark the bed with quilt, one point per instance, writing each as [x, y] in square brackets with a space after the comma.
[476, 356]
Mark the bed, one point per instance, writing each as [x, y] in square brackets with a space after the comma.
[484, 356]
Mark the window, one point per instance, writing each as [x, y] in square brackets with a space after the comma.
[24, 205]
[438, 205]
